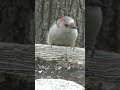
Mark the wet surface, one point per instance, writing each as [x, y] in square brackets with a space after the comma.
[59, 70]
[103, 71]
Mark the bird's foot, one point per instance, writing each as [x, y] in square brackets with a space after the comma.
[92, 50]
[50, 45]
[73, 48]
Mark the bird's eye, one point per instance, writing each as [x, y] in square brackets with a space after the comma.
[66, 25]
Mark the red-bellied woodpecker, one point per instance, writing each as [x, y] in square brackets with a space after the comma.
[63, 32]
[93, 21]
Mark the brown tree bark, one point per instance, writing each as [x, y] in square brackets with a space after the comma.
[52, 11]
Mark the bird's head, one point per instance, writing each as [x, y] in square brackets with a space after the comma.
[67, 22]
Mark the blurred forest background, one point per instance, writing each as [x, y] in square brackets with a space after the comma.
[48, 11]
[17, 21]
[109, 35]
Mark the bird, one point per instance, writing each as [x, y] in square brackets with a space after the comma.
[93, 22]
[63, 32]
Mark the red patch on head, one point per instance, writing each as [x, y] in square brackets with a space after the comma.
[72, 24]
[60, 20]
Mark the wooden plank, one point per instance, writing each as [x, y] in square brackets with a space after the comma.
[104, 67]
[17, 59]
[60, 53]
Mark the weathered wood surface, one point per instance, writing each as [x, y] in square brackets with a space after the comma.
[105, 67]
[60, 53]
[17, 59]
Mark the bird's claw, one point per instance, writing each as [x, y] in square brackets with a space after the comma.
[87, 49]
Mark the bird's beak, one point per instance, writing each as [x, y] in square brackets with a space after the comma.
[76, 27]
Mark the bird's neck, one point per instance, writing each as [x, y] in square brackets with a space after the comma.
[59, 21]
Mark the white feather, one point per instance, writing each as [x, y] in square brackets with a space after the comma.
[62, 35]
